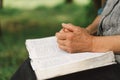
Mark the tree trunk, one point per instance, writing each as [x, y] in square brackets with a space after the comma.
[1, 4]
[97, 4]
[68, 1]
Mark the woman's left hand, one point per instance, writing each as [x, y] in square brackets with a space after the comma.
[74, 39]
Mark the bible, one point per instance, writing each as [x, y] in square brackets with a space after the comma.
[49, 61]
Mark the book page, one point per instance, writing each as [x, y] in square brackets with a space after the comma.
[69, 59]
[45, 51]
[56, 66]
[48, 60]
[47, 48]
[43, 48]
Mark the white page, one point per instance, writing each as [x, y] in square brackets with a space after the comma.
[45, 51]
[45, 55]
[67, 59]
[44, 47]
[47, 48]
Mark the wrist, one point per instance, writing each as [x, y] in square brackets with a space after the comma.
[99, 44]
[91, 43]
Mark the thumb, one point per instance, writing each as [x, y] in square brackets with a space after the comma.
[69, 27]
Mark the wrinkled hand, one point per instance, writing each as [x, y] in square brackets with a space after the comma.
[74, 39]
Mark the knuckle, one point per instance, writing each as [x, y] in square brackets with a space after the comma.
[78, 28]
[69, 44]
[70, 36]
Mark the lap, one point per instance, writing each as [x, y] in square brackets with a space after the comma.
[111, 72]
[104, 73]
[24, 72]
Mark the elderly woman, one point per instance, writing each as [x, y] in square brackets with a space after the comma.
[76, 39]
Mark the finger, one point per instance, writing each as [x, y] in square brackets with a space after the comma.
[63, 48]
[69, 27]
[66, 30]
[62, 30]
[61, 36]
[61, 42]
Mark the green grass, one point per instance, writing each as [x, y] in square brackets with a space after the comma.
[19, 25]
[31, 4]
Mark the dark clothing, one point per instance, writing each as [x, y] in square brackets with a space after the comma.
[25, 72]
[111, 72]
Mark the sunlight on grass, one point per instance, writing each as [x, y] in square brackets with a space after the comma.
[82, 2]
[31, 4]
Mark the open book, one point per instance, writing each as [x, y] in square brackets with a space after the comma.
[49, 61]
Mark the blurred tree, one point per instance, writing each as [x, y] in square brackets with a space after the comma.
[69, 1]
[97, 4]
[0, 31]
[103, 2]
[1, 4]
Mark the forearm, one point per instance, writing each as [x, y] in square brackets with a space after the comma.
[106, 43]
[92, 28]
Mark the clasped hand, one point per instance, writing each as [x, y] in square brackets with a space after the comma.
[73, 39]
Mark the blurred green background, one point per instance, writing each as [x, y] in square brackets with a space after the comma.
[29, 19]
